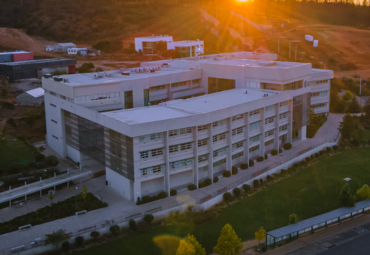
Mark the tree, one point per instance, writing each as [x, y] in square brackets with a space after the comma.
[84, 192]
[199, 250]
[293, 218]
[347, 96]
[51, 197]
[346, 127]
[367, 109]
[345, 197]
[260, 235]
[354, 106]
[228, 243]
[56, 237]
[167, 244]
[185, 248]
[364, 192]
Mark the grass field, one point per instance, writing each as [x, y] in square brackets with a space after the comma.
[310, 192]
[13, 151]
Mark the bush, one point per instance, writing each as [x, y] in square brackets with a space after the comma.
[256, 183]
[201, 185]
[259, 159]
[39, 157]
[280, 150]
[162, 195]
[95, 234]
[192, 187]
[266, 157]
[251, 163]
[335, 147]
[142, 226]
[208, 182]
[237, 192]
[287, 146]
[293, 218]
[173, 192]
[79, 240]
[148, 218]
[243, 166]
[317, 155]
[66, 245]
[114, 229]
[234, 170]
[261, 182]
[246, 188]
[226, 174]
[328, 149]
[51, 160]
[274, 152]
[312, 157]
[132, 225]
[308, 159]
[215, 179]
[345, 197]
[228, 197]
[269, 178]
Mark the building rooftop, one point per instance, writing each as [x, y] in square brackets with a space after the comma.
[154, 36]
[28, 62]
[185, 107]
[14, 52]
[252, 63]
[38, 92]
[67, 44]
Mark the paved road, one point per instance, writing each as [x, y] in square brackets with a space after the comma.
[358, 246]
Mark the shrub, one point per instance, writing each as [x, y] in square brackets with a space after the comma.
[173, 192]
[192, 187]
[261, 182]
[312, 157]
[274, 152]
[237, 192]
[148, 218]
[201, 185]
[287, 146]
[66, 245]
[256, 183]
[345, 197]
[142, 226]
[317, 155]
[79, 240]
[280, 150]
[259, 159]
[251, 163]
[51, 160]
[39, 157]
[269, 178]
[208, 182]
[95, 234]
[246, 187]
[283, 172]
[228, 197]
[307, 159]
[114, 229]
[226, 174]
[266, 157]
[335, 147]
[215, 179]
[132, 224]
[162, 195]
[234, 170]
[328, 149]
[321, 153]
[293, 218]
[243, 166]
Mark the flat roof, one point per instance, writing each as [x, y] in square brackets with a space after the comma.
[185, 107]
[252, 63]
[37, 92]
[66, 44]
[14, 52]
[35, 61]
[154, 36]
[318, 219]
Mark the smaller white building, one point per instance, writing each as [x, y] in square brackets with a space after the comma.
[77, 51]
[50, 48]
[60, 47]
[33, 97]
[187, 48]
[148, 45]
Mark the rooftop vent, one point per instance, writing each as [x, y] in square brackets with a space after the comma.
[267, 63]
[58, 78]
[48, 75]
[66, 80]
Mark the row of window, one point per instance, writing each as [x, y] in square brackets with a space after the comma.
[282, 128]
[319, 105]
[202, 142]
[270, 132]
[237, 155]
[203, 158]
[318, 82]
[60, 96]
[254, 125]
[219, 137]
[321, 93]
[219, 152]
[151, 170]
[254, 138]
[180, 147]
[181, 163]
[150, 137]
[269, 142]
[218, 123]
[201, 128]
[151, 153]
[179, 84]
[269, 108]
[158, 87]
[237, 117]
[269, 120]
[283, 115]
[238, 145]
[180, 131]
[97, 97]
[237, 131]
[285, 103]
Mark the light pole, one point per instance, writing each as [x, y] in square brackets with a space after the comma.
[76, 196]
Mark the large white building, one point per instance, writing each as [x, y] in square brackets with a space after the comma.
[174, 123]
[187, 48]
[148, 44]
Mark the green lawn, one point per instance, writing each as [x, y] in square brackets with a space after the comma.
[13, 151]
[310, 192]
[366, 136]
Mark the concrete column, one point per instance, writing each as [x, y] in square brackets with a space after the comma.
[63, 127]
[246, 141]
[191, 51]
[290, 122]
[210, 155]
[276, 134]
[195, 169]
[304, 133]
[167, 185]
[229, 159]
[137, 190]
[170, 95]
[262, 144]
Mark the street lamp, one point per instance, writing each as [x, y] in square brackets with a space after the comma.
[76, 196]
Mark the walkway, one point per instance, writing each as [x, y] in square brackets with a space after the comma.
[121, 211]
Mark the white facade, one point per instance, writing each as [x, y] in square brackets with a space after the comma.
[60, 47]
[143, 43]
[75, 51]
[189, 48]
[180, 142]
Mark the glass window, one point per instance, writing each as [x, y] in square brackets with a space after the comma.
[254, 148]
[202, 142]
[238, 145]
[254, 138]
[254, 125]
[238, 131]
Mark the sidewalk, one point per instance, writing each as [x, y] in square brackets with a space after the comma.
[311, 239]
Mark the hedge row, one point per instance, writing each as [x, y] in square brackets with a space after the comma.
[147, 199]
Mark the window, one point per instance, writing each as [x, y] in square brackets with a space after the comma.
[196, 83]
[54, 121]
[67, 114]
[318, 82]
[151, 170]
[238, 131]
[53, 93]
[269, 142]
[283, 115]
[254, 113]
[269, 108]
[237, 155]
[219, 152]
[202, 142]
[285, 103]
[151, 153]
[237, 117]
[321, 93]
[220, 162]
[203, 158]
[318, 105]
[150, 137]
[297, 100]
[268, 133]
[179, 84]
[180, 147]
[173, 148]
[254, 148]
[218, 123]
[254, 138]
[201, 128]
[269, 120]
[181, 163]
[254, 125]
[238, 145]
[53, 105]
[181, 131]
[99, 96]
[219, 137]
[282, 128]
[55, 137]
[158, 87]
[68, 130]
